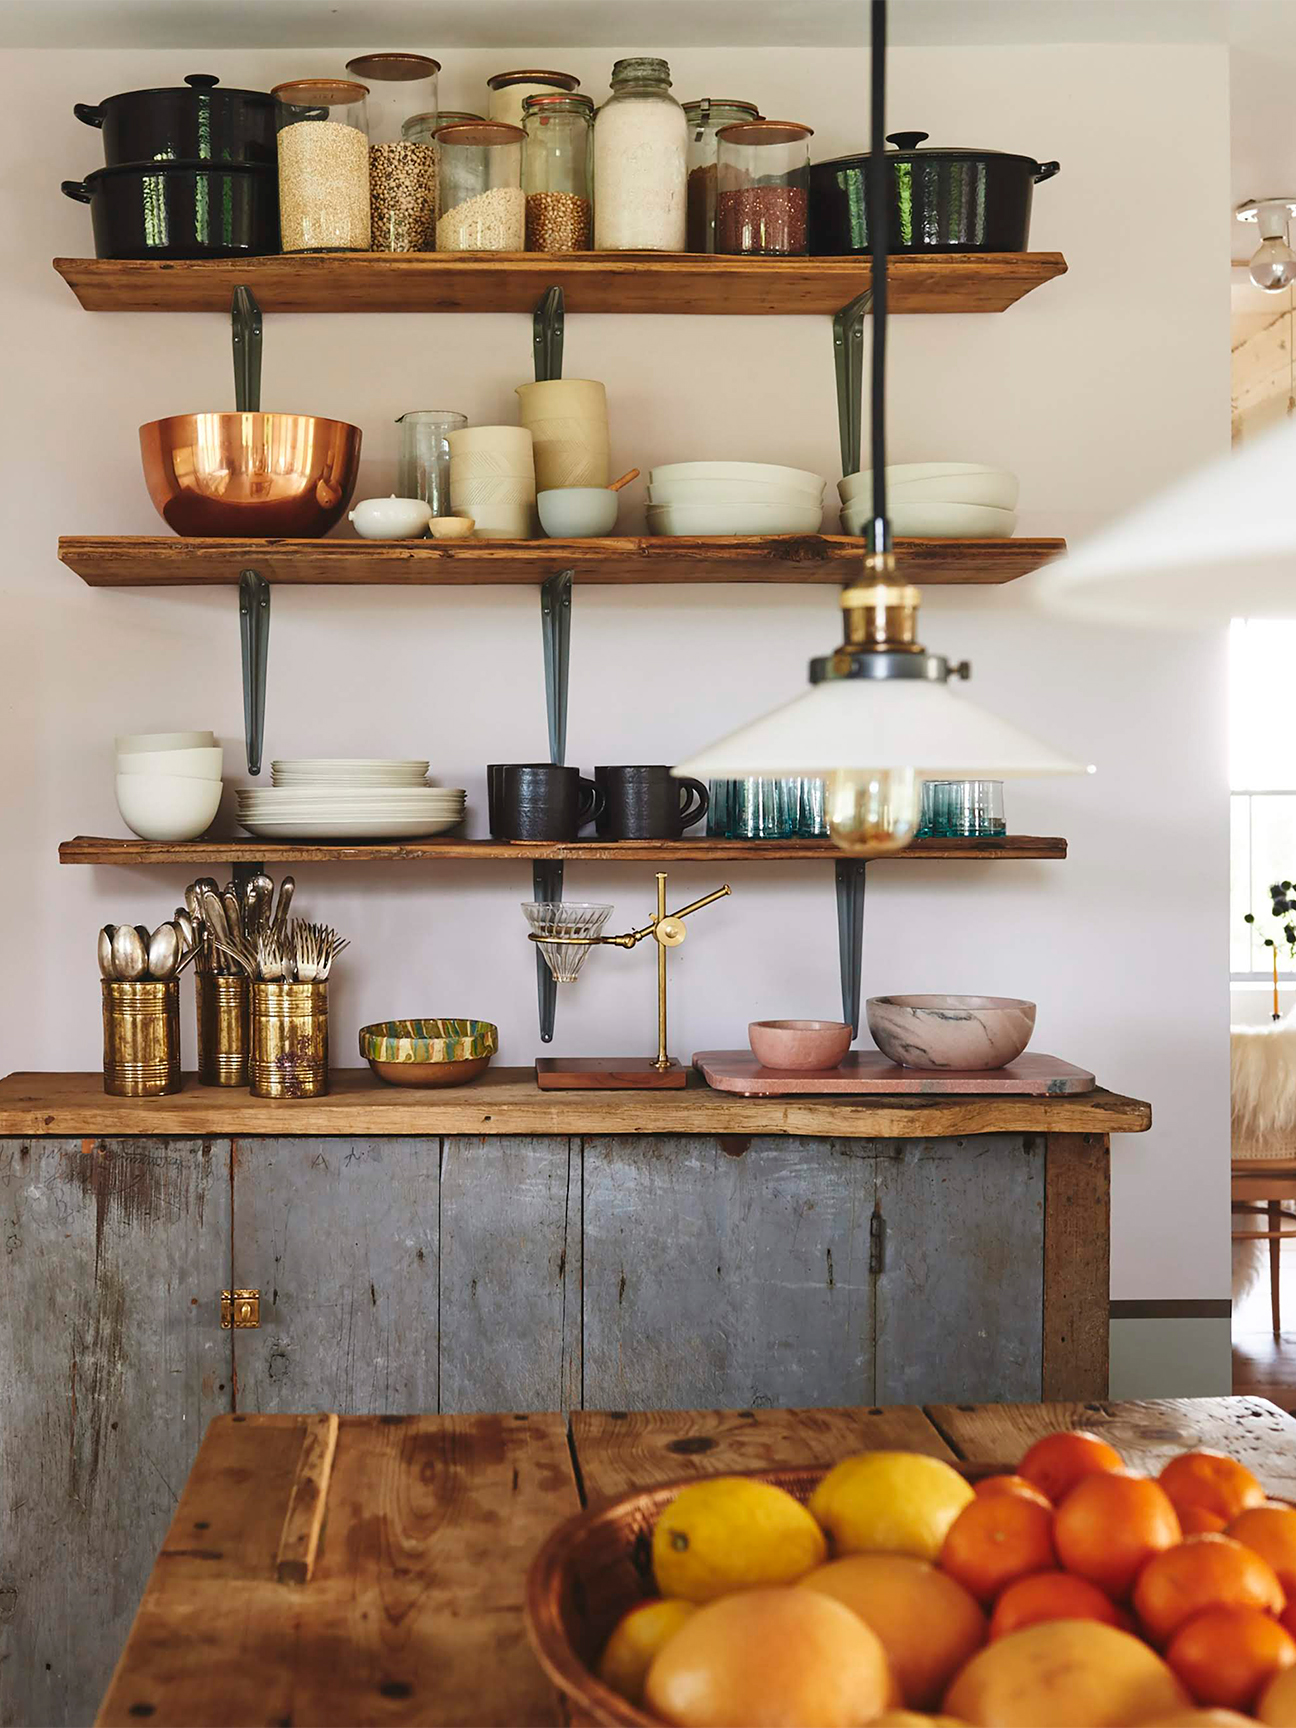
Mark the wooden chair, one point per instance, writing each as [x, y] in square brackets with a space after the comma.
[1264, 1175]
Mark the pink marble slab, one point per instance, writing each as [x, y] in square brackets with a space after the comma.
[870, 1071]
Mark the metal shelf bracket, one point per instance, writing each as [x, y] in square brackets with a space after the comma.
[547, 335]
[555, 626]
[254, 629]
[245, 316]
[546, 884]
[850, 935]
[848, 357]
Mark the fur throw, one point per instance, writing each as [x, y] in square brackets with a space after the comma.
[1264, 1077]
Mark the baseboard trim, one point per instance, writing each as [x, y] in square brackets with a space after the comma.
[1206, 1308]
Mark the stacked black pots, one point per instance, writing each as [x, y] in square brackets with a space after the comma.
[189, 172]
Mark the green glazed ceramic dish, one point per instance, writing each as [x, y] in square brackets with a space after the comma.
[429, 1052]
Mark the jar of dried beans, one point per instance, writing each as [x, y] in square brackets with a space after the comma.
[557, 173]
[509, 91]
[763, 188]
[323, 165]
[705, 118]
[402, 169]
[640, 156]
[482, 206]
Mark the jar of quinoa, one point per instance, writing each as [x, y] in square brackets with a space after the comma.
[323, 140]
[558, 172]
[763, 188]
[482, 206]
[402, 169]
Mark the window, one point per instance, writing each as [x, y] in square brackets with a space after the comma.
[1262, 774]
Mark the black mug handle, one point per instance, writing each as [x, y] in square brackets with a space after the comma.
[691, 789]
[89, 113]
[76, 189]
[592, 803]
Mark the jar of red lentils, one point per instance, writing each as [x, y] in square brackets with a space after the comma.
[763, 188]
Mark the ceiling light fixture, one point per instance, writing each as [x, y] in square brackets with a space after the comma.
[1273, 266]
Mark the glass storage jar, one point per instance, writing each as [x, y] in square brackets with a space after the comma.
[323, 165]
[763, 188]
[509, 90]
[424, 467]
[705, 118]
[482, 207]
[402, 169]
[557, 173]
[640, 162]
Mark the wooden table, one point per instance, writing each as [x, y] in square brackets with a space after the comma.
[413, 1612]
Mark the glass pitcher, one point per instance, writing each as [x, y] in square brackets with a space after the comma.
[424, 468]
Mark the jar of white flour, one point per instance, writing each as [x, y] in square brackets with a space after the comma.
[640, 162]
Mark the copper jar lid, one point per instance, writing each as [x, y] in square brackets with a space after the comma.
[565, 80]
[764, 132]
[482, 132]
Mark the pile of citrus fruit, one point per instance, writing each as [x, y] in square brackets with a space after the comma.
[1073, 1594]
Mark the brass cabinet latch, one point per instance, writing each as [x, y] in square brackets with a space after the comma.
[240, 1308]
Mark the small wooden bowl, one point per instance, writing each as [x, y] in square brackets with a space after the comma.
[429, 1052]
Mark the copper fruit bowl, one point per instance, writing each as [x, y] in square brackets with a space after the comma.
[250, 476]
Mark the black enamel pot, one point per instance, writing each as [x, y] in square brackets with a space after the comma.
[196, 123]
[181, 210]
[939, 200]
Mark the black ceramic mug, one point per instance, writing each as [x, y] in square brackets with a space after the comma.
[646, 803]
[539, 801]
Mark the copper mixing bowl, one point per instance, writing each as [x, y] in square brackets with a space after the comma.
[250, 476]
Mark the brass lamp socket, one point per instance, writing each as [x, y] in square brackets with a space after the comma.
[224, 1002]
[882, 616]
[290, 1053]
[141, 1029]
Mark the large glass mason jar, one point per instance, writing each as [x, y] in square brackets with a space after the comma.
[402, 169]
[763, 188]
[482, 207]
[323, 165]
[640, 162]
[705, 118]
[557, 173]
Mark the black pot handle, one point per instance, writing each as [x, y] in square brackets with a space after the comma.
[76, 189]
[201, 81]
[91, 114]
[907, 140]
[1046, 171]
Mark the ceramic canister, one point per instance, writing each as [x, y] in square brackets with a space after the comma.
[568, 421]
[492, 479]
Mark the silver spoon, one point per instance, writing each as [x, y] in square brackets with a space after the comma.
[185, 925]
[106, 968]
[164, 951]
[130, 957]
[279, 923]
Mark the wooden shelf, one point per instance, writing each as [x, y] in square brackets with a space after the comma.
[92, 849]
[508, 1101]
[649, 282]
[163, 561]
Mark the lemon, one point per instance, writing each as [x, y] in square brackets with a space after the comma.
[731, 1533]
[890, 1503]
[636, 1639]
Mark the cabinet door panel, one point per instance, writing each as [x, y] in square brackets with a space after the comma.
[112, 1362]
[340, 1237]
[961, 1291]
[727, 1273]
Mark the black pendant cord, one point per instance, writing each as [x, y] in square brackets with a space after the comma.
[878, 239]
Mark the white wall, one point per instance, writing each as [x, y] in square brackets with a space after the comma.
[1096, 390]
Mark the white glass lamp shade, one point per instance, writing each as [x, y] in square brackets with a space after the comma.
[1218, 543]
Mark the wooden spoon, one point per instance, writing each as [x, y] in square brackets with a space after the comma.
[624, 480]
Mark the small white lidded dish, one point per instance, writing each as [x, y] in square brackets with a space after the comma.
[391, 518]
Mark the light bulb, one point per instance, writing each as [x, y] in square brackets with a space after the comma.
[873, 810]
[1274, 265]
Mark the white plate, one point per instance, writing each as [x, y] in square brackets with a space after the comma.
[360, 794]
[920, 521]
[770, 472]
[350, 828]
[330, 764]
[997, 490]
[726, 492]
[691, 519]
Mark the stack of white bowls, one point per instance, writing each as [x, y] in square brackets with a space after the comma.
[168, 783]
[686, 498]
[936, 501]
[492, 479]
[360, 798]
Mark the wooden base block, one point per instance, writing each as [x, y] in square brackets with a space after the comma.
[606, 1074]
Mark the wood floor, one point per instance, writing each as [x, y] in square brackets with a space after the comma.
[1265, 1366]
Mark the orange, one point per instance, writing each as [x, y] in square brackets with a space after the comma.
[928, 1624]
[1197, 1521]
[1057, 1462]
[1277, 1706]
[636, 1639]
[1062, 1673]
[1271, 1532]
[1050, 1596]
[1203, 1572]
[1226, 1656]
[1110, 1525]
[1213, 1481]
[996, 1538]
[992, 1485]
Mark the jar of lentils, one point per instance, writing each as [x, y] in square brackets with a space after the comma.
[640, 162]
[402, 170]
[509, 91]
[763, 188]
[482, 206]
[558, 172]
[323, 165]
[705, 118]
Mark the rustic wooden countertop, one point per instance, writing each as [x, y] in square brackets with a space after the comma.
[413, 1611]
[508, 1101]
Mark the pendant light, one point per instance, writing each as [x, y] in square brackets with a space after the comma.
[878, 718]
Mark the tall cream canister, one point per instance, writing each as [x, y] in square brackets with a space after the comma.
[568, 420]
[493, 480]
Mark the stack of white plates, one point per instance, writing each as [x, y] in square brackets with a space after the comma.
[936, 501]
[688, 498]
[350, 800]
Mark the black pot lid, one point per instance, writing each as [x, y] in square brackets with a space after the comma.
[909, 145]
[200, 84]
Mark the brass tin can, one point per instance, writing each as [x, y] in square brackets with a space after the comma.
[141, 1024]
[289, 1040]
[224, 1028]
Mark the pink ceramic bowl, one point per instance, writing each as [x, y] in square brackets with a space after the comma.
[805, 1046]
[959, 1033]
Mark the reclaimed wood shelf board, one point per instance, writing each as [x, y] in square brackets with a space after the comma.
[92, 849]
[508, 1101]
[164, 561]
[644, 282]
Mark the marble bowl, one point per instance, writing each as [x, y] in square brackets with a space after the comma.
[955, 1033]
[429, 1052]
[802, 1046]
